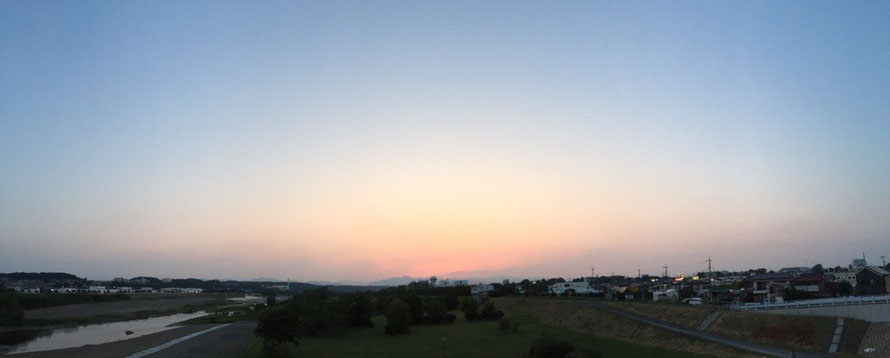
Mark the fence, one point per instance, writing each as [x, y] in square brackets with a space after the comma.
[822, 302]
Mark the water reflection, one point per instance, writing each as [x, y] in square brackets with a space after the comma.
[23, 341]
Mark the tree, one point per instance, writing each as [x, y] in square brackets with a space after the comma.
[451, 300]
[435, 309]
[550, 347]
[818, 269]
[358, 309]
[469, 308]
[844, 288]
[489, 312]
[270, 301]
[398, 317]
[277, 327]
[11, 313]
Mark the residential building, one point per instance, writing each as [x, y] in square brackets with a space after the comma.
[849, 276]
[573, 288]
[481, 289]
[794, 271]
[872, 280]
[768, 286]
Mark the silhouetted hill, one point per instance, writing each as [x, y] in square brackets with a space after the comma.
[39, 276]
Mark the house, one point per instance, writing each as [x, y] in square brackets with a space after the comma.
[669, 294]
[449, 283]
[809, 283]
[481, 289]
[872, 280]
[794, 271]
[849, 276]
[573, 288]
[767, 286]
[181, 290]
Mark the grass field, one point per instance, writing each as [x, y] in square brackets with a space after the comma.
[577, 316]
[462, 339]
[854, 332]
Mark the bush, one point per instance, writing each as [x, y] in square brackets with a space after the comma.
[507, 326]
[588, 353]
[278, 326]
[451, 300]
[436, 312]
[358, 309]
[550, 347]
[489, 312]
[11, 312]
[469, 308]
[398, 317]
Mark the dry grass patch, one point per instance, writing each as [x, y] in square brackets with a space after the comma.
[679, 314]
[793, 332]
[577, 315]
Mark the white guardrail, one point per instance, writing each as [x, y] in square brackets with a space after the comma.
[822, 302]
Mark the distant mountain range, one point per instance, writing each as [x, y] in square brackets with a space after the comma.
[404, 280]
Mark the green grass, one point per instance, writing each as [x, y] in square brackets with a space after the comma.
[462, 339]
[854, 332]
[207, 306]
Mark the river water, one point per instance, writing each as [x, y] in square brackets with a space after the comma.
[24, 341]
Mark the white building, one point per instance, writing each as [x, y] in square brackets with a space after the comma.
[96, 289]
[669, 294]
[481, 289]
[849, 276]
[578, 288]
[181, 290]
[451, 283]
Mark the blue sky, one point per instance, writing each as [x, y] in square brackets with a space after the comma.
[274, 135]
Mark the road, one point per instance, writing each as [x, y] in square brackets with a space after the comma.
[748, 346]
[228, 341]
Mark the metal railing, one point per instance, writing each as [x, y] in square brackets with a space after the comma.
[822, 302]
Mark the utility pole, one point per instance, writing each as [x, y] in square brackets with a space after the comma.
[883, 261]
[710, 277]
[665, 267]
[592, 271]
[638, 274]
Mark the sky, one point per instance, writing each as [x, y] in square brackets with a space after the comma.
[335, 140]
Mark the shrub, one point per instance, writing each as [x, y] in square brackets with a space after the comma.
[451, 300]
[278, 326]
[358, 309]
[507, 326]
[436, 312]
[550, 347]
[469, 308]
[398, 317]
[11, 312]
[588, 353]
[489, 312]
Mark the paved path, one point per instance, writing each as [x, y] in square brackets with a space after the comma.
[229, 341]
[748, 346]
[878, 339]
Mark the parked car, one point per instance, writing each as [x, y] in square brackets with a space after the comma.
[693, 301]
